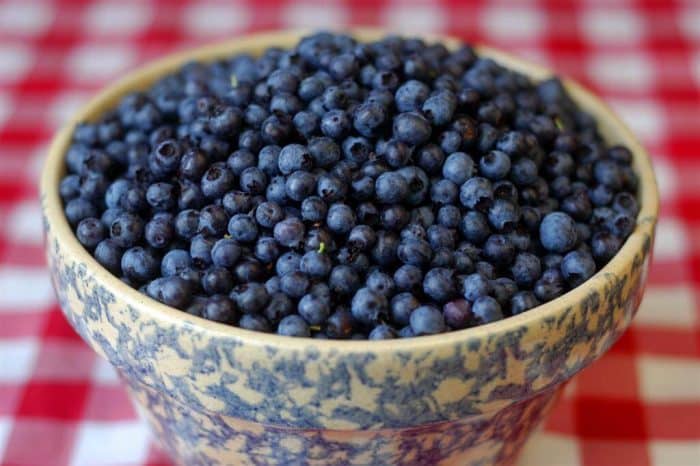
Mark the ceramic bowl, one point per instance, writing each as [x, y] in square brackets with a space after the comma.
[218, 395]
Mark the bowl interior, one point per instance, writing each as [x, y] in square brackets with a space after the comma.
[611, 127]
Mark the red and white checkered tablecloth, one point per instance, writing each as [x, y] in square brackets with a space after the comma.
[638, 406]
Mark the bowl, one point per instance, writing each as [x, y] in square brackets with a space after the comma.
[219, 395]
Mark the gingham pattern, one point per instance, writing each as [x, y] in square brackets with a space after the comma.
[639, 405]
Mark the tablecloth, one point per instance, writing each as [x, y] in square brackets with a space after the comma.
[639, 405]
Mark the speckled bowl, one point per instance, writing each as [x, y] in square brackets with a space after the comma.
[219, 395]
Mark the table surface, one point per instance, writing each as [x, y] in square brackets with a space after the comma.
[639, 405]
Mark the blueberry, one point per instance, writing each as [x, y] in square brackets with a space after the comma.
[408, 277]
[324, 151]
[220, 309]
[526, 269]
[577, 267]
[294, 284]
[200, 251]
[550, 285]
[79, 209]
[174, 262]
[391, 188]
[282, 80]
[523, 301]
[604, 245]
[474, 227]
[250, 298]
[368, 306]
[165, 159]
[357, 149]
[415, 252]
[402, 305]
[126, 230]
[423, 216]
[213, 220]
[441, 237]
[289, 232]
[275, 129]
[608, 173]
[625, 203]
[266, 250]
[315, 264]
[276, 190]
[362, 237]
[512, 143]
[159, 232]
[254, 322]
[172, 291]
[314, 309]
[279, 306]
[429, 157]
[217, 180]
[558, 232]
[440, 107]
[268, 160]
[439, 284]
[307, 123]
[486, 310]
[449, 216]
[268, 214]
[380, 282]
[523, 172]
[293, 326]
[243, 228]
[495, 165]
[444, 192]
[499, 250]
[577, 205]
[109, 255]
[253, 180]
[427, 320]
[418, 184]
[382, 332]
[285, 103]
[450, 141]
[458, 168]
[340, 219]
[467, 130]
[503, 215]
[90, 232]
[331, 188]
[340, 324]
[139, 264]
[300, 185]
[310, 88]
[411, 128]
[368, 118]
[217, 280]
[476, 193]
[475, 286]
[344, 280]
[287, 262]
[240, 160]
[458, 313]
[187, 224]
[294, 157]
[411, 95]
[335, 124]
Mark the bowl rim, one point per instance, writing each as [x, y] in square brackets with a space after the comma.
[143, 76]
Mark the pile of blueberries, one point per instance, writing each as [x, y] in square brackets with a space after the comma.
[350, 190]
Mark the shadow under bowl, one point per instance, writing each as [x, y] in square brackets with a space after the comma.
[219, 395]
